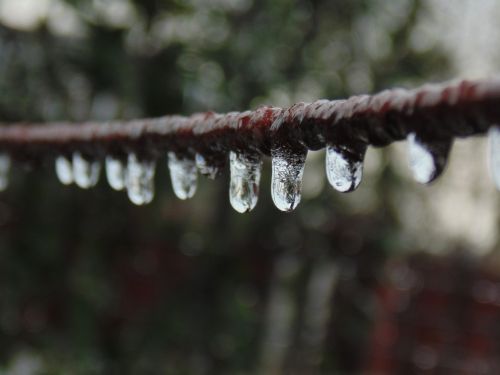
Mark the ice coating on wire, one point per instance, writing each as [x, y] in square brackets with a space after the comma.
[427, 159]
[286, 178]
[85, 172]
[64, 170]
[245, 170]
[206, 168]
[115, 173]
[344, 172]
[140, 180]
[183, 175]
[430, 117]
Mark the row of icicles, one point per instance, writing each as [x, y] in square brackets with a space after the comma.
[343, 173]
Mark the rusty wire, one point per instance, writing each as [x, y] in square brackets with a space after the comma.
[433, 112]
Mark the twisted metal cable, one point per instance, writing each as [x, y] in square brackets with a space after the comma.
[430, 117]
[433, 111]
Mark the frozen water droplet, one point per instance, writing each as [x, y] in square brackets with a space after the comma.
[207, 168]
[64, 170]
[85, 172]
[4, 171]
[494, 144]
[183, 175]
[244, 181]
[344, 170]
[287, 172]
[427, 159]
[140, 180]
[115, 173]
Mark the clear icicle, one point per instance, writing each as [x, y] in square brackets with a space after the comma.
[85, 172]
[244, 181]
[115, 173]
[494, 159]
[344, 171]
[140, 180]
[183, 175]
[287, 172]
[427, 159]
[64, 170]
[4, 171]
[206, 168]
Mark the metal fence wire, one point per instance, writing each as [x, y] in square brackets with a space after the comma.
[429, 118]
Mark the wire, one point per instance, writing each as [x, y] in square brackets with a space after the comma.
[433, 112]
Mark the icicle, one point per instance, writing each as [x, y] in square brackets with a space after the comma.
[4, 171]
[64, 170]
[85, 173]
[183, 175]
[140, 180]
[494, 145]
[207, 168]
[287, 172]
[115, 173]
[427, 159]
[244, 181]
[344, 167]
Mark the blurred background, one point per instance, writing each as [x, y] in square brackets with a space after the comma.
[393, 278]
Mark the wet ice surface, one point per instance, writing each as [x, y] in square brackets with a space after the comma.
[4, 171]
[115, 173]
[421, 160]
[344, 173]
[245, 171]
[64, 170]
[85, 172]
[426, 160]
[140, 180]
[287, 172]
[494, 156]
[183, 175]
[205, 168]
